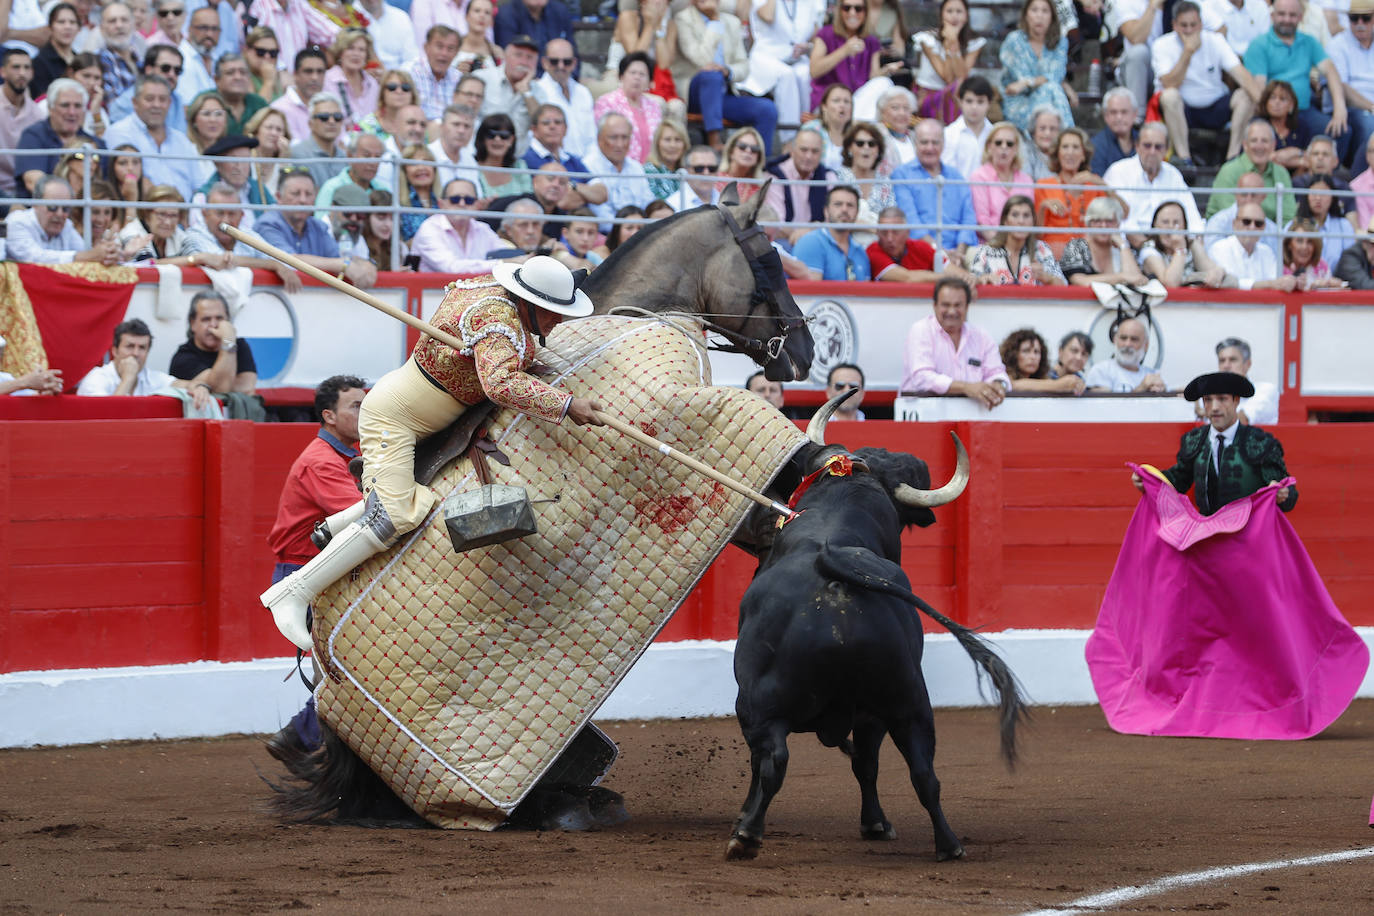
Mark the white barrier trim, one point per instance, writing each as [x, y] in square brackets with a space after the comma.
[673, 680]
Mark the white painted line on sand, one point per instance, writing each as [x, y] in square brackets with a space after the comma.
[1122, 895]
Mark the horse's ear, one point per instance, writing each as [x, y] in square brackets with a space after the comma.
[730, 196]
[749, 212]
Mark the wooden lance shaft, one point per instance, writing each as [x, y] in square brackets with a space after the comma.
[310, 270]
[444, 337]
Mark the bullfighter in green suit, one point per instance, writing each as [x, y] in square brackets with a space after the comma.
[1227, 459]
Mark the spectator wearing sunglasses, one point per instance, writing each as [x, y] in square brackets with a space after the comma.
[325, 126]
[495, 149]
[558, 87]
[393, 34]
[1241, 256]
[1352, 51]
[43, 234]
[1145, 181]
[163, 61]
[262, 51]
[846, 377]
[699, 190]
[297, 24]
[171, 24]
[452, 242]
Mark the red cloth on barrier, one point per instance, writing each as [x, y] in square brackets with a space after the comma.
[1220, 627]
[76, 317]
[71, 407]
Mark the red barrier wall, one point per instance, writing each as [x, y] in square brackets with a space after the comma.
[140, 542]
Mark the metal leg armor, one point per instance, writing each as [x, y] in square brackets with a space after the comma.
[290, 598]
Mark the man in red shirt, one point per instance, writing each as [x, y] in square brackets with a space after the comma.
[319, 483]
[898, 258]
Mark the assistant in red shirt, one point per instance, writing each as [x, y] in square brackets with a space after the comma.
[319, 483]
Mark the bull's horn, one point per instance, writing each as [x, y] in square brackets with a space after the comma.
[909, 495]
[815, 430]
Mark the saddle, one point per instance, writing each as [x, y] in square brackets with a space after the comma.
[460, 436]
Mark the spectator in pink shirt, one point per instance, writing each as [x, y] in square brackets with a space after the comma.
[633, 101]
[1003, 163]
[1363, 186]
[452, 242]
[947, 355]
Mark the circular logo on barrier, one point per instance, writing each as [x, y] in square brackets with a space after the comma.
[267, 322]
[836, 335]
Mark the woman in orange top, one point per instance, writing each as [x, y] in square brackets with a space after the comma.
[1056, 206]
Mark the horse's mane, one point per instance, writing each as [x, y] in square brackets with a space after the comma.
[627, 248]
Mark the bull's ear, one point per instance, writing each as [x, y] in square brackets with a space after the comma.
[730, 196]
[749, 212]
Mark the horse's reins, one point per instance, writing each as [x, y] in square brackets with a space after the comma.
[754, 244]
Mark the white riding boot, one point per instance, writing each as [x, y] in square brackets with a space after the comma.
[325, 530]
[289, 599]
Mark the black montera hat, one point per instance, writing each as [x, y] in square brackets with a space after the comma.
[1219, 383]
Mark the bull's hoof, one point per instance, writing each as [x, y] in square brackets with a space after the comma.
[944, 855]
[882, 831]
[742, 847]
[552, 809]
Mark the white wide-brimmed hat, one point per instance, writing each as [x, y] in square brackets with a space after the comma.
[547, 283]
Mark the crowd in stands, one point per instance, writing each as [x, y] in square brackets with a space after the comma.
[482, 120]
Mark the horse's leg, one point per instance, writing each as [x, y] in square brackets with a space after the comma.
[868, 740]
[768, 757]
[916, 741]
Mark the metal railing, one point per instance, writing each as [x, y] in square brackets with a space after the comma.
[936, 229]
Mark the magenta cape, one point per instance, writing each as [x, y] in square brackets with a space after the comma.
[1220, 627]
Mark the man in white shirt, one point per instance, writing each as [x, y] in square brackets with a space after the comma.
[612, 157]
[701, 165]
[557, 87]
[453, 156]
[1219, 223]
[1262, 409]
[1145, 180]
[964, 138]
[198, 55]
[510, 87]
[1124, 372]
[1239, 21]
[1241, 256]
[392, 33]
[451, 242]
[1188, 65]
[1139, 23]
[1352, 52]
[126, 373]
[42, 234]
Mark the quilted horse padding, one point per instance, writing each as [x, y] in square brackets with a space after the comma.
[460, 678]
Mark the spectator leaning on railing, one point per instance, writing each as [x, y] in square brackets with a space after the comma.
[1249, 190]
[452, 242]
[944, 354]
[1241, 256]
[831, 250]
[42, 234]
[298, 233]
[1026, 357]
[1101, 257]
[1014, 256]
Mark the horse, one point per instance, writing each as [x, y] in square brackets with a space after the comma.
[712, 264]
[681, 265]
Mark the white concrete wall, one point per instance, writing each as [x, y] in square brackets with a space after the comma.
[681, 679]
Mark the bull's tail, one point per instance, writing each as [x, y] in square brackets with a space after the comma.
[864, 569]
[332, 784]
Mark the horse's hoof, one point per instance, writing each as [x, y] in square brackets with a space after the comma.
[742, 847]
[883, 831]
[607, 807]
[287, 748]
[944, 855]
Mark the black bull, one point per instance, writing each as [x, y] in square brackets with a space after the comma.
[829, 643]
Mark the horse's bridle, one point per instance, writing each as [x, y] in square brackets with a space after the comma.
[755, 246]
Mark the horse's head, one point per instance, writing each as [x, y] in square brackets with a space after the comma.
[752, 298]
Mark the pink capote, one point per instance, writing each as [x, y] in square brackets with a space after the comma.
[1220, 627]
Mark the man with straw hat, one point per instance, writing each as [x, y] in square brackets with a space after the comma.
[498, 317]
